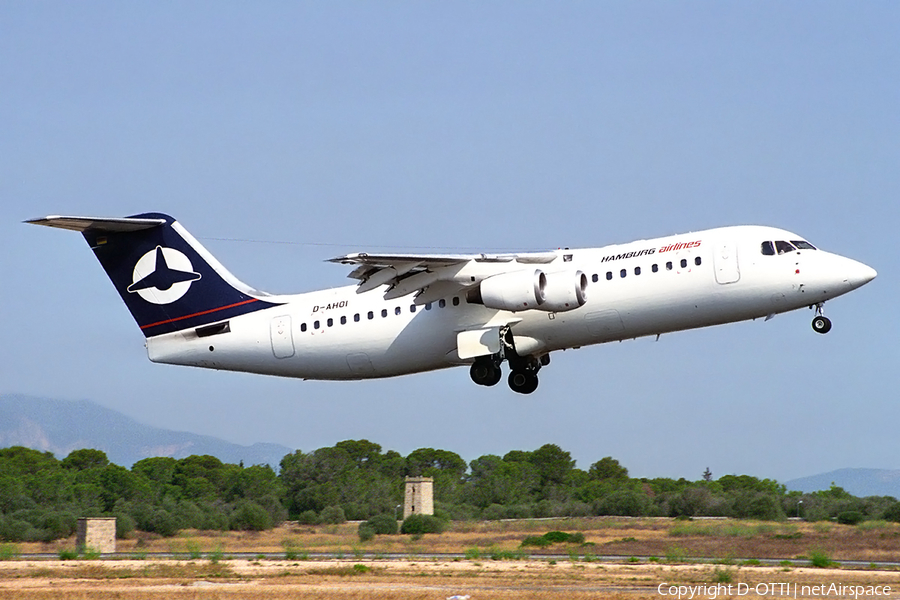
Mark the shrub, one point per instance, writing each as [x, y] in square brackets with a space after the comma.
[308, 517]
[57, 525]
[67, 554]
[162, 522]
[536, 540]
[850, 517]
[124, 525]
[366, 532]
[333, 515]
[820, 560]
[383, 524]
[557, 537]
[494, 512]
[250, 516]
[722, 576]
[9, 552]
[626, 502]
[892, 513]
[419, 524]
[554, 537]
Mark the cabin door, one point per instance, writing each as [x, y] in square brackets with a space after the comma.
[282, 337]
[726, 263]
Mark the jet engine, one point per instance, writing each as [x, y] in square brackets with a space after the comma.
[528, 290]
[564, 291]
[517, 290]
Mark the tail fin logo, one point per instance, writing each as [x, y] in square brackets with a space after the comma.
[162, 276]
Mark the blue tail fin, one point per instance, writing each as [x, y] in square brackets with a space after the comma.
[168, 280]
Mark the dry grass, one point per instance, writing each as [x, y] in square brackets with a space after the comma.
[358, 575]
[252, 580]
[717, 539]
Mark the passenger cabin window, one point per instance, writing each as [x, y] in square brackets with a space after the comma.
[383, 312]
[302, 326]
[442, 303]
[330, 321]
[783, 247]
[316, 325]
[637, 270]
[801, 245]
[697, 261]
[669, 266]
[398, 310]
[655, 268]
[767, 249]
[343, 320]
[683, 263]
[609, 275]
[595, 278]
[371, 315]
[623, 273]
[356, 317]
[455, 301]
[428, 306]
[412, 308]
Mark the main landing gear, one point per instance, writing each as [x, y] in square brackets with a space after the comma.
[523, 382]
[522, 378]
[486, 371]
[821, 323]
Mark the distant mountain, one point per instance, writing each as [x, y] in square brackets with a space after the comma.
[60, 426]
[859, 482]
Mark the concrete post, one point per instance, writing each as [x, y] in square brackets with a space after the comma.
[96, 534]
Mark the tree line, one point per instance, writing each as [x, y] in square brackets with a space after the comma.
[41, 496]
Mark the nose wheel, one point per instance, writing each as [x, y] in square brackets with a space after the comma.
[821, 323]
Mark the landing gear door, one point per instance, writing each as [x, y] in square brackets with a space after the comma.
[478, 342]
[726, 263]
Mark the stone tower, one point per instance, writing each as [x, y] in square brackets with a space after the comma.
[419, 496]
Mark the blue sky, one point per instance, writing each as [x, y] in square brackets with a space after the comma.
[282, 134]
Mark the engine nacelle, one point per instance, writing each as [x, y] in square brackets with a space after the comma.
[518, 290]
[564, 291]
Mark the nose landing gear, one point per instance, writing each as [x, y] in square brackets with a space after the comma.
[821, 323]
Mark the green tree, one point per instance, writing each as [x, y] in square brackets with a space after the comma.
[607, 468]
[255, 482]
[16, 461]
[86, 458]
[496, 481]
[553, 464]
[447, 469]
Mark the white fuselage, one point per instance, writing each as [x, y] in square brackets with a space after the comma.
[684, 282]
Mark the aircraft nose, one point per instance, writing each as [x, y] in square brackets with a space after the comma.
[860, 274]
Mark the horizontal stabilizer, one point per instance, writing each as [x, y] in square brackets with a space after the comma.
[117, 225]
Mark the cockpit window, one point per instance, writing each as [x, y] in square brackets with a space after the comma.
[783, 247]
[767, 249]
[801, 245]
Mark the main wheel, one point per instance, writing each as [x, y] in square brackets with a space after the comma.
[485, 372]
[821, 324]
[523, 382]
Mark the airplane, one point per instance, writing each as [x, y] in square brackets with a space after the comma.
[411, 313]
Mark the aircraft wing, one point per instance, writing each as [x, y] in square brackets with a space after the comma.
[432, 276]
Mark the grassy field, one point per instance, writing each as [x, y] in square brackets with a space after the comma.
[495, 566]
